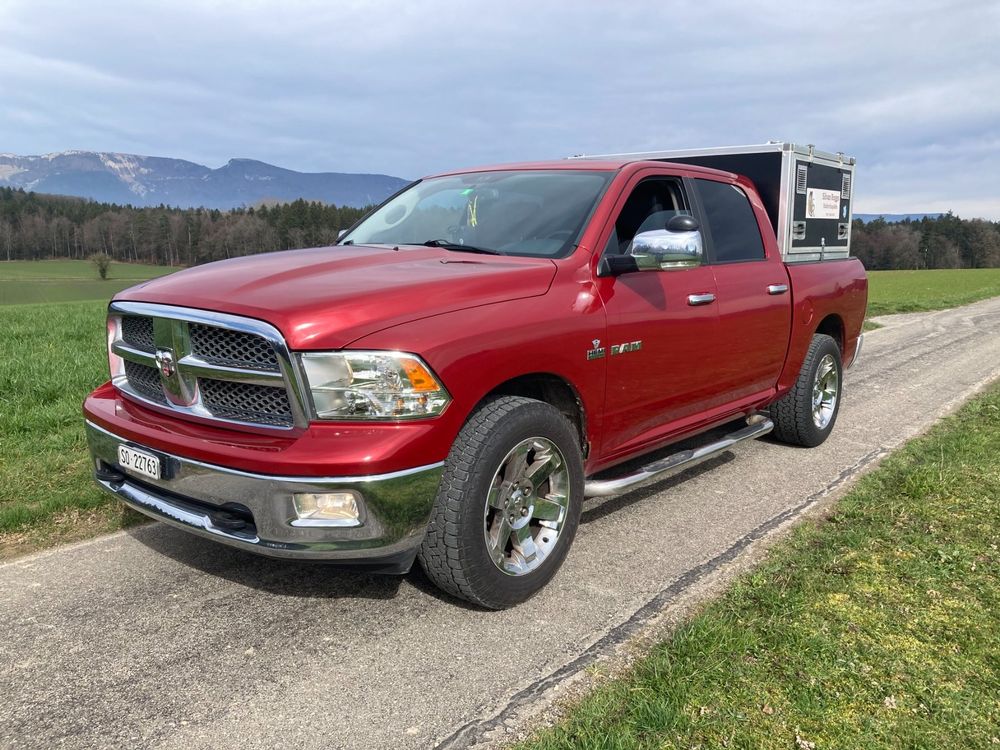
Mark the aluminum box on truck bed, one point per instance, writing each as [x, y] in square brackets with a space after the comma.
[807, 193]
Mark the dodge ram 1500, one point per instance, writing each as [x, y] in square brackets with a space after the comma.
[475, 357]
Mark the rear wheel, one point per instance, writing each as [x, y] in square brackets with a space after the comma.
[806, 415]
[508, 506]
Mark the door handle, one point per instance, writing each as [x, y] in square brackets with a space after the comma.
[700, 299]
[777, 289]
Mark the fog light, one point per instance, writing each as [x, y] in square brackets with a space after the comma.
[326, 508]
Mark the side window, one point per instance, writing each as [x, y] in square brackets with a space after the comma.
[650, 206]
[731, 222]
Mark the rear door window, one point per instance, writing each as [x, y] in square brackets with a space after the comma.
[732, 225]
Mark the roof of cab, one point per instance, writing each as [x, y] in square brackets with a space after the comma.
[585, 165]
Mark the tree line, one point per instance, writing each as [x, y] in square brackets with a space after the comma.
[34, 226]
[945, 241]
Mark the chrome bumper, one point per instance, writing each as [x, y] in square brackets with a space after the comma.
[255, 511]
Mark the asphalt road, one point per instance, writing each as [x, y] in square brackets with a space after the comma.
[153, 638]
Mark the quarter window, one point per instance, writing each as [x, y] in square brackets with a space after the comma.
[731, 222]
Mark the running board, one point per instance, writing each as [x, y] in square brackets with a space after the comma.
[758, 426]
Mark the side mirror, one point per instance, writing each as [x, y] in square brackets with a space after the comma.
[682, 223]
[679, 245]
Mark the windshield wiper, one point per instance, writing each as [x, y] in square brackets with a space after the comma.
[449, 245]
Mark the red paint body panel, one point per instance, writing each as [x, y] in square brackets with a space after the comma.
[819, 290]
[324, 298]
[322, 450]
[481, 321]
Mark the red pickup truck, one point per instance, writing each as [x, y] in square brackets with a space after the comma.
[476, 356]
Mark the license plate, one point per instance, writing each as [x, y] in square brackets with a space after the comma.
[139, 462]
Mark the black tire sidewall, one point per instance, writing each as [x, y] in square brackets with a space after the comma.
[532, 419]
[822, 345]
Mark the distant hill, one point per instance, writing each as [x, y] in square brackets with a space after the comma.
[893, 218]
[155, 180]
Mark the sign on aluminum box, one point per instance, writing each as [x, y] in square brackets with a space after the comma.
[807, 194]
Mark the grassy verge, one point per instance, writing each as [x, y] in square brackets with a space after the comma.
[877, 628]
[43, 281]
[918, 291]
[51, 356]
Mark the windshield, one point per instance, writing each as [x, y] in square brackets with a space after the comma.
[534, 213]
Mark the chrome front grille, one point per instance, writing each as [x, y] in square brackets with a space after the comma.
[206, 365]
[244, 402]
[232, 348]
[145, 380]
[138, 332]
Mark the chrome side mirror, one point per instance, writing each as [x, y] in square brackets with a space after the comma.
[678, 245]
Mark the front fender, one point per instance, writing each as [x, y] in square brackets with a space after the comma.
[476, 350]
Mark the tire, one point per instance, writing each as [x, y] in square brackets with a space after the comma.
[806, 414]
[516, 465]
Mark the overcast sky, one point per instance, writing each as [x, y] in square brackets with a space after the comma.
[912, 89]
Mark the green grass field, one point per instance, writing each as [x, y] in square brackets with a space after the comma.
[917, 291]
[29, 281]
[51, 356]
[878, 628]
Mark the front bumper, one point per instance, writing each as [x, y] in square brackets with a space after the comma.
[255, 511]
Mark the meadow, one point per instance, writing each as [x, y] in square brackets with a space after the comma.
[919, 291]
[51, 355]
[38, 281]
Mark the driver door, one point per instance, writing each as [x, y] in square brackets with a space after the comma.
[663, 327]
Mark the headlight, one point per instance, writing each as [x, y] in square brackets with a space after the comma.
[115, 363]
[372, 385]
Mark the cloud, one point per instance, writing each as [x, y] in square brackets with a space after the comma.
[412, 88]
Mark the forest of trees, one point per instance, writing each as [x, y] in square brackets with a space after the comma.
[34, 226]
[942, 242]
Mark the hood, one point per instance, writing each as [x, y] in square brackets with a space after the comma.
[325, 298]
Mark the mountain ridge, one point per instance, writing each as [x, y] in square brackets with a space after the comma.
[139, 180]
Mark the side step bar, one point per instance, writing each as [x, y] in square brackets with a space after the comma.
[758, 426]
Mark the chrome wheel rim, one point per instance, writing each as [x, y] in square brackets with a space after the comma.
[826, 388]
[526, 506]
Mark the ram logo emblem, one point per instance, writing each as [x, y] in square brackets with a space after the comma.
[165, 363]
[631, 346]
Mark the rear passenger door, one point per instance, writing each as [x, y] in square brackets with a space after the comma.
[753, 292]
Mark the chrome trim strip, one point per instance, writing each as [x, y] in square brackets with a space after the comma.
[857, 350]
[183, 397]
[202, 369]
[132, 354]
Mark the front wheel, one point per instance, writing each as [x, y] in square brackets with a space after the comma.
[806, 414]
[508, 506]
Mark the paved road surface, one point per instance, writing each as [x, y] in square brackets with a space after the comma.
[153, 638]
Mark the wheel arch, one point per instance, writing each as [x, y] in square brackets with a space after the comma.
[833, 326]
[552, 389]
